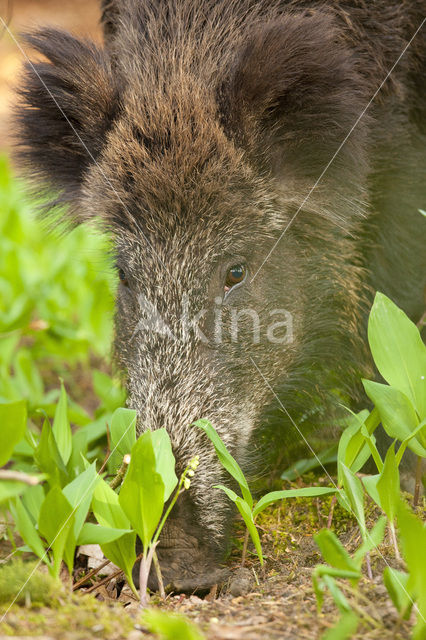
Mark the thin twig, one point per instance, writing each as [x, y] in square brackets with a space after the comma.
[89, 575]
[18, 476]
[159, 576]
[104, 580]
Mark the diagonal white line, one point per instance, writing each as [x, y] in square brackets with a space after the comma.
[342, 144]
[327, 474]
[62, 527]
[83, 144]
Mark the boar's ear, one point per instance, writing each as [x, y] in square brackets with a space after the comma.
[66, 106]
[292, 94]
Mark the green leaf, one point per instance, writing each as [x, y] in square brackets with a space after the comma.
[274, 496]
[10, 489]
[398, 351]
[142, 492]
[353, 451]
[334, 552]
[97, 534]
[165, 460]
[345, 629]
[123, 430]
[396, 583]
[26, 528]
[61, 427]
[48, 458]
[170, 626]
[412, 533]
[55, 522]
[109, 514]
[337, 595]
[79, 493]
[32, 500]
[370, 484]
[227, 461]
[247, 516]
[388, 485]
[355, 494]
[396, 413]
[372, 540]
[13, 422]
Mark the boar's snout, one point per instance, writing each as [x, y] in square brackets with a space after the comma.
[189, 556]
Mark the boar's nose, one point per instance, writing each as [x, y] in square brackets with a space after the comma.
[189, 558]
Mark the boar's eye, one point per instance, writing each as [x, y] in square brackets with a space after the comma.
[235, 275]
[123, 277]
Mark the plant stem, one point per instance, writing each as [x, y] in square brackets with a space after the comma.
[330, 513]
[159, 576]
[418, 484]
[246, 536]
[170, 507]
[394, 541]
[117, 480]
[144, 569]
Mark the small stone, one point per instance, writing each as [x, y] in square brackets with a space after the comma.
[97, 628]
[241, 582]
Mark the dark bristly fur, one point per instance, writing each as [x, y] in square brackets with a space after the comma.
[195, 136]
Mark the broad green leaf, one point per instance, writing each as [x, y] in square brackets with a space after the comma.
[142, 492]
[107, 509]
[79, 493]
[274, 496]
[398, 351]
[345, 629]
[353, 451]
[165, 460]
[370, 484]
[48, 458]
[55, 523]
[396, 583]
[97, 534]
[412, 533]
[388, 485]
[419, 431]
[227, 461]
[26, 528]
[109, 514]
[13, 422]
[247, 516]
[170, 626]
[396, 413]
[337, 595]
[32, 500]
[10, 489]
[372, 540]
[61, 426]
[334, 552]
[123, 430]
[355, 494]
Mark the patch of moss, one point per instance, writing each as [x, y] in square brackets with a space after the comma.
[23, 583]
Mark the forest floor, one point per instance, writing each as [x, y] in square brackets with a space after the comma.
[276, 602]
